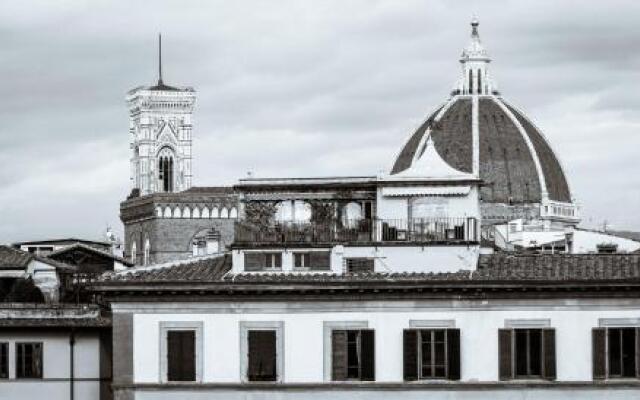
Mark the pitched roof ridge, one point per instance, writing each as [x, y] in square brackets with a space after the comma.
[161, 266]
[90, 248]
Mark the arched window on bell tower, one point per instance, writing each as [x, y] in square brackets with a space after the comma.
[166, 170]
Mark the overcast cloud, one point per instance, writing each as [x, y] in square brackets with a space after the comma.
[300, 88]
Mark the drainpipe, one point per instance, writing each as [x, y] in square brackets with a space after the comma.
[72, 343]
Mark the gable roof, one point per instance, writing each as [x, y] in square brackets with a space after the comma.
[62, 241]
[12, 258]
[90, 249]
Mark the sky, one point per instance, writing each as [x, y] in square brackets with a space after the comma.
[300, 88]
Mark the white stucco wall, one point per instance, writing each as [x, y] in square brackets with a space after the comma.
[587, 242]
[479, 322]
[445, 258]
[452, 206]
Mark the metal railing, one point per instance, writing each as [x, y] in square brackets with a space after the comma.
[419, 230]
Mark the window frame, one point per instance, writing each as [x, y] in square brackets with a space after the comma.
[508, 351]
[268, 258]
[420, 344]
[359, 343]
[359, 264]
[4, 360]
[167, 326]
[245, 327]
[20, 369]
[601, 344]
[308, 260]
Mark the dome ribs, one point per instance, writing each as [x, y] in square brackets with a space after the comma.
[453, 133]
[408, 151]
[557, 186]
[506, 165]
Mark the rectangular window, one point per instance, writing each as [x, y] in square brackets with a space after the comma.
[616, 353]
[258, 261]
[181, 355]
[352, 355]
[262, 356]
[301, 260]
[431, 354]
[4, 360]
[360, 265]
[527, 353]
[29, 360]
[314, 260]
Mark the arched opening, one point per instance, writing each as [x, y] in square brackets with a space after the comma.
[470, 89]
[165, 170]
[147, 251]
[288, 211]
[133, 252]
[351, 215]
[479, 82]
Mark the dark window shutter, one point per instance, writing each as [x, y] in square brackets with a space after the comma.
[505, 354]
[278, 260]
[368, 360]
[262, 356]
[637, 352]
[453, 351]
[599, 356]
[4, 360]
[181, 360]
[549, 353]
[253, 261]
[320, 260]
[410, 351]
[339, 355]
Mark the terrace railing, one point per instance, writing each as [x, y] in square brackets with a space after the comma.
[417, 230]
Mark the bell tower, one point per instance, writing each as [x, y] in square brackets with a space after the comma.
[160, 128]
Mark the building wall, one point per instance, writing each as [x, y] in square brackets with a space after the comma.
[447, 258]
[171, 238]
[478, 320]
[55, 383]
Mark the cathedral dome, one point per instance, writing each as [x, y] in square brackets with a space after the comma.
[477, 131]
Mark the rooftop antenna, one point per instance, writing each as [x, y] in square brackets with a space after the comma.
[160, 59]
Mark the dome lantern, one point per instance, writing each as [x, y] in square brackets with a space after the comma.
[475, 61]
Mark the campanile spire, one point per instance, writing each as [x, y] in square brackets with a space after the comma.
[160, 59]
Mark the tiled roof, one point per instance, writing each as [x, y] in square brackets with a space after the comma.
[11, 258]
[89, 249]
[496, 268]
[204, 269]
